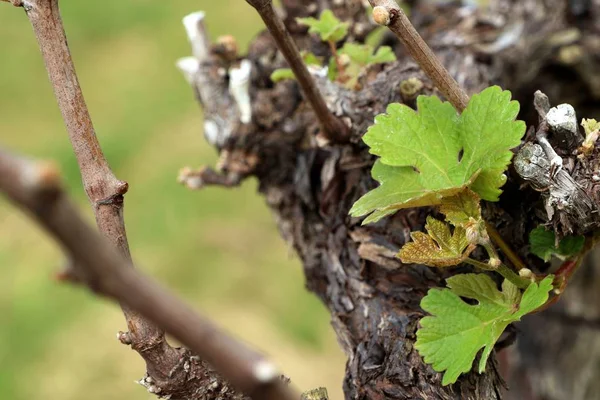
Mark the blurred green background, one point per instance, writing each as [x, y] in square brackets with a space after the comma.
[217, 248]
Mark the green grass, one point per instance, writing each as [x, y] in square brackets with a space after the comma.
[217, 248]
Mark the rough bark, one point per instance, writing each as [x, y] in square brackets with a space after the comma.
[374, 300]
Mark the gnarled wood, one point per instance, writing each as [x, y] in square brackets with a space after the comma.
[374, 301]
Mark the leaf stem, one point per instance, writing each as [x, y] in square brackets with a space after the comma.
[509, 274]
[336, 57]
[561, 279]
[490, 249]
[479, 264]
[503, 270]
[504, 247]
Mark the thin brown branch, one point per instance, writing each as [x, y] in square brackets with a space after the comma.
[334, 129]
[387, 12]
[103, 189]
[96, 263]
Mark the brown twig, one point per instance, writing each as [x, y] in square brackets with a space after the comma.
[104, 190]
[96, 263]
[334, 129]
[387, 12]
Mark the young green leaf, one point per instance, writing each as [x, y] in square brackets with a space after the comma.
[363, 54]
[358, 57]
[328, 27]
[384, 54]
[511, 293]
[543, 244]
[590, 125]
[438, 247]
[282, 74]
[592, 131]
[570, 246]
[435, 153]
[311, 59]
[455, 332]
[397, 183]
[461, 209]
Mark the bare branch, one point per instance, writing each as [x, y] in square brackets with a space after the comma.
[387, 12]
[334, 129]
[103, 189]
[96, 263]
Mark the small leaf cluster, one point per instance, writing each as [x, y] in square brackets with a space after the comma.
[544, 244]
[348, 62]
[328, 26]
[353, 58]
[456, 331]
[436, 157]
[282, 74]
[440, 247]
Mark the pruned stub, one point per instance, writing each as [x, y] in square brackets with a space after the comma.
[568, 182]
